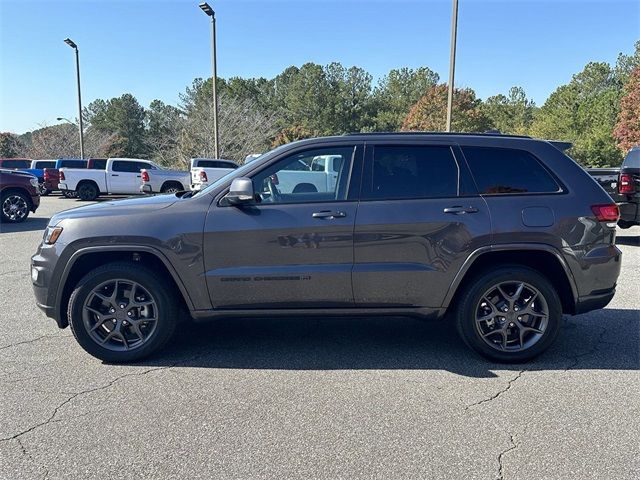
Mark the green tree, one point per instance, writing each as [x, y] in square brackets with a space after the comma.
[430, 112]
[511, 114]
[124, 118]
[584, 112]
[627, 131]
[397, 92]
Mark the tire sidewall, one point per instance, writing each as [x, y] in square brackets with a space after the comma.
[469, 301]
[167, 311]
[87, 192]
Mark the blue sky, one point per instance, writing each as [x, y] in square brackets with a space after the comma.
[155, 48]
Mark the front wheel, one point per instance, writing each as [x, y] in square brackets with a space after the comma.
[122, 312]
[509, 314]
[15, 207]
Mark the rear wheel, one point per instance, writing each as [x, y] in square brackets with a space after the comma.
[509, 314]
[122, 312]
[171, 187]
[88, 191]
[14, 207]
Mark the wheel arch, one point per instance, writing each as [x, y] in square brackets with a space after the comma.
[168, 183]
[88, 181]
[544, 259]
[93, 257]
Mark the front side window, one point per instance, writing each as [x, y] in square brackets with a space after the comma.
[412, 172]
[507, 170]
[295, 179]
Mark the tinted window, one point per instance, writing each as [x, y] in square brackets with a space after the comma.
[73, 164]
[216, 164]
[16, 163]
[99, 164]
[130, 166]
[45, 164]
[632, 160]
[504, 170]
[291, 180]
[413, 172]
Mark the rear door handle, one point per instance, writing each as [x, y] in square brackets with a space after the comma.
[328, 214]
[457, 210]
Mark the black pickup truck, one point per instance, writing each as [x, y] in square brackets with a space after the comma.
[623, 184]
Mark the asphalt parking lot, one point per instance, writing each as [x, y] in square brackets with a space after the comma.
[327, 398]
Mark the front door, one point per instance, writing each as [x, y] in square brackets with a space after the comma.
[418, 220]
[292, 248]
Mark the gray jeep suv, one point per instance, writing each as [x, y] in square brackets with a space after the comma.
[503, 233]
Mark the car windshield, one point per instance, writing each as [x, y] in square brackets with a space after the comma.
[240, 171]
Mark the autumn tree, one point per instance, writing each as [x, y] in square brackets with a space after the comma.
[627, 131]
[10, 145]
[430, 112]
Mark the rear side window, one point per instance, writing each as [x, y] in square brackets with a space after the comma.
[413, 172]
[131, 167]
[632, 160]
[16, 163]
[216, 164]
[73, 164]
[506, 170]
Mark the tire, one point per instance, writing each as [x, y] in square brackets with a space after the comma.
[89, 329]
[69, 193]
[171, 187]
[499, 338]
[14, 207]
[88, 191]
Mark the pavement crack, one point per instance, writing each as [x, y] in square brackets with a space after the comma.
[497, 394]
[52, 417]
[513, 446]
[575, 359]
[37, 339]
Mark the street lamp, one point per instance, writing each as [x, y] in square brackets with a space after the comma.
[65, 119]
[206, 8]
[70, 42]
[452, 62]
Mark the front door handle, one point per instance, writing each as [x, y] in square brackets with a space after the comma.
[115, 175]
[457, 210]
[328, 214]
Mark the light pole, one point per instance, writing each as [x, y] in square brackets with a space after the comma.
[452, 62]
[209, 11]
[70, 42]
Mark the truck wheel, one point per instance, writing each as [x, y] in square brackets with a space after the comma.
[509, 314]
[121, 312]
[171, 187]
[14, 206]
[88, 192]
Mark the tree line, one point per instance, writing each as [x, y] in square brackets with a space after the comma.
[598, 110]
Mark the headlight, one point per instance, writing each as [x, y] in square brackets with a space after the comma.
[33, 181]
[51, 235]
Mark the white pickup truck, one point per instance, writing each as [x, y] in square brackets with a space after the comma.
[308, 175]
[205, 171]
[121, 175]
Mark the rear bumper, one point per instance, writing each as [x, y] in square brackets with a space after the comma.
[629, 212]
[594, 302]
[146, 188]
[199, 186]
[62, 186]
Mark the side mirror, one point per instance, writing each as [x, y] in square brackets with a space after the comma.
[241, 192]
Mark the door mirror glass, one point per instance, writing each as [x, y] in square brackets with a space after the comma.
[241, 192]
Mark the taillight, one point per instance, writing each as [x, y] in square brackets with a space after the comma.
[606, 213]
[625, 184]
[203, 176]
[62, 175]
[47, 176]
[145, 176]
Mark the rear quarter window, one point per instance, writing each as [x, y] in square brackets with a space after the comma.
[508, 171]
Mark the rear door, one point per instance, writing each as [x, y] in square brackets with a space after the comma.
[418, 220]
[125, 176]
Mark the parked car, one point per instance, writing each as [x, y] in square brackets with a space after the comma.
[37, 169]
[504, 233]
[164, 181]
[19, 195]
[51, 176]
[623, 184]
[205, 171]
[15, 163]
[120, 176]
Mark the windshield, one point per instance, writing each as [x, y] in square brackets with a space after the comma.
[241, 170]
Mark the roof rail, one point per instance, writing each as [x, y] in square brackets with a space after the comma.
[479, 134]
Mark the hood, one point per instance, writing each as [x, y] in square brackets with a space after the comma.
[117, 207]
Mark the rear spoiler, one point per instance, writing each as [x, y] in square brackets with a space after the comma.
[562, 146]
